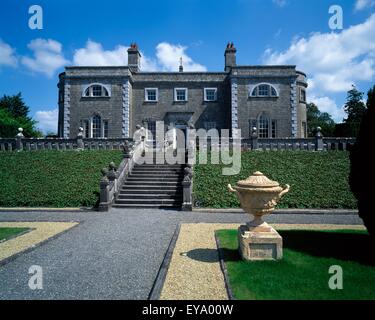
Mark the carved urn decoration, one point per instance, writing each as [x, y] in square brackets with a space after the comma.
[258, 196]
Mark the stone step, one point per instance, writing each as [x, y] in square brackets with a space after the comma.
[126, 196]
[156, 174]
[152, 182]
[160, 166]
[156, 179]
[159, 171]
[159, 190]
[149, 201]
[146, 206]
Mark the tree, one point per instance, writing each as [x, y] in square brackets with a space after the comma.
[14, 114]
[315, 118]
[362, 161]
[355, 109]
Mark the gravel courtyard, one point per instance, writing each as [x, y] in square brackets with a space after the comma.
[114, 255]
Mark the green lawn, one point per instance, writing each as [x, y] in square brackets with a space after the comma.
[6, 233]
[52, 178]
[317, 179]
[303, 271]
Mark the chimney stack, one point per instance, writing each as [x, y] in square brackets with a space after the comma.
[181, 67]
[134, 58]
[230, 57]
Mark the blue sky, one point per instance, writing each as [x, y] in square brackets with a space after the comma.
[264, 32]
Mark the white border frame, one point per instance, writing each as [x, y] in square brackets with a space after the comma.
[175, 94]
[157, 94]
[106, 86]
[253, 87]
[205, 95]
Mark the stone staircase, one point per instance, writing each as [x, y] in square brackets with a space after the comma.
[152, 186]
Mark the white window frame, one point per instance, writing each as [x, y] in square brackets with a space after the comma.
[146, 94]
[89, 87]
[205, 94]
[255, 89]
[175, 94]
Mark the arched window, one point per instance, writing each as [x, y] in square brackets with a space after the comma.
[96, 126]
[96, 90]
[264, 90]
[263, 125]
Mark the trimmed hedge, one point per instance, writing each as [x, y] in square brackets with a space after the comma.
[317, 179]
[52, 178]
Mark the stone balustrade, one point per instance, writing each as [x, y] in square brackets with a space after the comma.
[20, 143]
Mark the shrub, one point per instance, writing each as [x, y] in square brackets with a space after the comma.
[52, 178]
[317, 179]
[362, 165]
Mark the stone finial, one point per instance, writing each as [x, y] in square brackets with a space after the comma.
[318, 132]
[104, 173]
[20, 134]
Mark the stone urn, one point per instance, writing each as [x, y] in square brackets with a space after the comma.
[258, 196]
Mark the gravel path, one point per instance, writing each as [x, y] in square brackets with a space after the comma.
[113, 255]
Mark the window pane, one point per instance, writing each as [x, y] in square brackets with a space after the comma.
[96, 126]
[86, 128]
[303, 95]
[180, 94]
[210, 125]
[151, 95]
[97, 91]
[254, 93]
[210, 94]
[263, 126]
[151, 126]
[105, 127]
[273, 92]
[263, 90]
[274, 129]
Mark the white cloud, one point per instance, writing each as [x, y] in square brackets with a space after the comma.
[333, 61]
[48, 57]
[47, 120]
[168, 56]
[94, 55]
[7, 55]
[328, 105]
[280, 3]
[363, 4]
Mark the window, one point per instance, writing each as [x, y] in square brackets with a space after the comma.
[303, 96]
[263, 126]
[264, 90]
[96, 126]
[151, 94]
[105, 128]
[96, 90]
[86, 126]
[273, 129]
[151, 127]
[180, 94]
[210, 94]
[210, 125]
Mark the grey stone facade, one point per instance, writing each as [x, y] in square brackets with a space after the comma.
[111, 101]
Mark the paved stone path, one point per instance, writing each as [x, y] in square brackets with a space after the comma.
[113, 255]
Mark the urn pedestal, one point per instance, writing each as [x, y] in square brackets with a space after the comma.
[258, 196]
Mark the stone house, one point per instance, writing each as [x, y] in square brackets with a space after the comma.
[111, 101]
